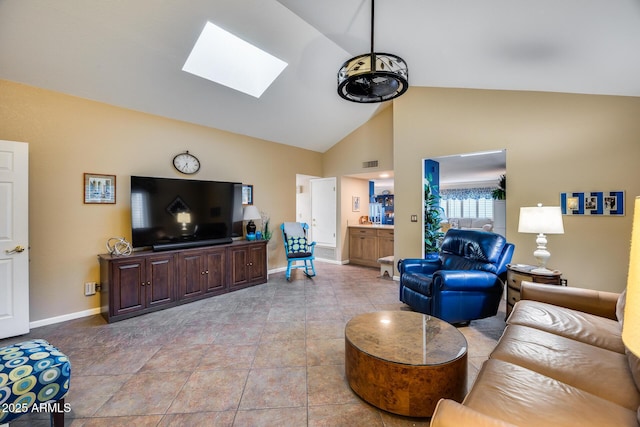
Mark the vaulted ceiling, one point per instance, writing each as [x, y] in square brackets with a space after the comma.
[131, 53]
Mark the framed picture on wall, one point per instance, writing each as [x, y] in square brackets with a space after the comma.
[99, 188]
[355, 204]
[247, 194]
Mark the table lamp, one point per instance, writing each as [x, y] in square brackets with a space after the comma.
[184, 218]
[630, 330]
[250, 213]
[541, 220]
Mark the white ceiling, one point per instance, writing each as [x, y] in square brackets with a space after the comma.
[130, 54]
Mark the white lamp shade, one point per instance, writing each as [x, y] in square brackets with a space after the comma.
[251, 212]
[630, 329]
[541, 219]
[184, 217]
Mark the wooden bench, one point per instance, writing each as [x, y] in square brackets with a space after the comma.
[386, 266]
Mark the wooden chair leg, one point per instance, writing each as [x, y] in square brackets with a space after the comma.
[57, 416]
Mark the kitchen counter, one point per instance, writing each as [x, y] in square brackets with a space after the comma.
[382, 226]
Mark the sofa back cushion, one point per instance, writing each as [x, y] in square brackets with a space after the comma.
[471, 250]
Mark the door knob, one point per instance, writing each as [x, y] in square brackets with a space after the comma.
[18, 249]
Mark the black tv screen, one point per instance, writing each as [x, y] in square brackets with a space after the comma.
[171, 213]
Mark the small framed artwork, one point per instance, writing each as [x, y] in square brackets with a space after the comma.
[355, 204]
[599, 203]
[247, 194]
[99, 188]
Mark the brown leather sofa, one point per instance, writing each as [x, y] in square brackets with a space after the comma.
[560, 362]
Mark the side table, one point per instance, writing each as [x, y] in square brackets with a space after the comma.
[517, 273]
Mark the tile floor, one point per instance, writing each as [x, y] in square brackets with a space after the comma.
[270, 355]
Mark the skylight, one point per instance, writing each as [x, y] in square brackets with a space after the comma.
[226, 59]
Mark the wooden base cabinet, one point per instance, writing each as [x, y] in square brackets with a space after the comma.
[367, 244]
[248, 266]
[202, 273]
[149, 281]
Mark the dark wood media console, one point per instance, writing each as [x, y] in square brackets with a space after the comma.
[148, 281]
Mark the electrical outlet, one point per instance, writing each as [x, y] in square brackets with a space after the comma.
[90, 288]
[414, 218]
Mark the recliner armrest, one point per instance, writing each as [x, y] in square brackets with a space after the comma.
[600, 303]
[418, 265]
[463, 280]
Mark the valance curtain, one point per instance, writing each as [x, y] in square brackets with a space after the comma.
[466, 193]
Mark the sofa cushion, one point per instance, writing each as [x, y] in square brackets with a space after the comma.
[599, 371]
[584, 327]
[525, 398]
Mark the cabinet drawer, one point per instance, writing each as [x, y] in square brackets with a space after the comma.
[363, 232]
[385, 233]
[515, 279]
[513, 296]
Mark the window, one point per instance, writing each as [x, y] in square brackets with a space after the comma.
[467, 203]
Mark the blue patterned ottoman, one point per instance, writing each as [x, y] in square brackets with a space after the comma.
[34, 377]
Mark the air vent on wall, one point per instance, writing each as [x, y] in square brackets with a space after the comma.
[370, 164]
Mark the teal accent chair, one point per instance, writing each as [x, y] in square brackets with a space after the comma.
[297, 247]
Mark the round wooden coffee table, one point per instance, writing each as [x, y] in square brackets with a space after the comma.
[404, 362]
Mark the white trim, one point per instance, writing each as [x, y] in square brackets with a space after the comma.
[64, 318]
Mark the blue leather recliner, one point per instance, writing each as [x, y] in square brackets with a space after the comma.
[466, 281]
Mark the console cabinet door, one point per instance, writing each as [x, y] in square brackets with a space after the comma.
[160, 280]
[239, 263]
[257, 263]
[192, 268]
[128, 286]
[215, 273]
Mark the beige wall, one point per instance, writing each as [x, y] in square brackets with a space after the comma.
[68, 136]
[373, 141]
[555, 143]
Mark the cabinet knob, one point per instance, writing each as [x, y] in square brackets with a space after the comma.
[142, 283]
[202, 273]
[148, 283]
[206, 271]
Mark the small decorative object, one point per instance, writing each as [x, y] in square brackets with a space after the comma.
[540, 220]
[118, 246]
[355, 203]
[247, 194]
[600, 203]
[186, 163]
[99, 188]
[250, 213]
[266, 232]
[500, 193]
[374, 76]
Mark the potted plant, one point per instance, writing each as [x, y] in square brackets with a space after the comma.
[432, 229]
[500, 193]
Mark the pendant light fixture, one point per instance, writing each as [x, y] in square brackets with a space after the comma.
[373, 77]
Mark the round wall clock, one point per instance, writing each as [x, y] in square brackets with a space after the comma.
[186, 163]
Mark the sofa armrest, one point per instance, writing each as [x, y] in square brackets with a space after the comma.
[600, 303]
[450, 413]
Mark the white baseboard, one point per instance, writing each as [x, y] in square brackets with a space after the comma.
[64, 318]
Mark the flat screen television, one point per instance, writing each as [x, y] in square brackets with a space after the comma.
[171, 213]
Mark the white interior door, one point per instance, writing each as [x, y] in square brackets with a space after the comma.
[323, 211]
[14, 238]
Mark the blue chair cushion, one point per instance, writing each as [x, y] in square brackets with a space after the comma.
[31, 372]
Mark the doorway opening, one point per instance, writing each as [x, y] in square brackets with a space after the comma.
[464, 185]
